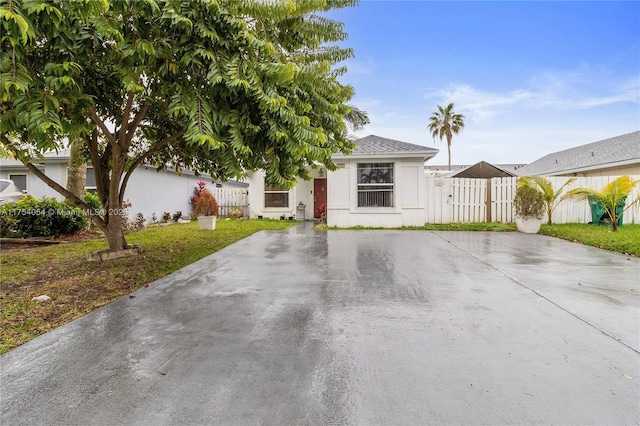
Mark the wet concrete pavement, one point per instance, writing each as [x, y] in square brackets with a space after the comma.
[351, 327]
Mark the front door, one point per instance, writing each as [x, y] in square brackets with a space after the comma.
[319, 195]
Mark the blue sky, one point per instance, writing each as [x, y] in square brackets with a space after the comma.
[531, 78]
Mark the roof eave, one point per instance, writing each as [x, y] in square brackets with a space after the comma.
[425, 155]
[594, 167]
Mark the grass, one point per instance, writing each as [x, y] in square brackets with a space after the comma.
[625, 240]
[77, 287]
[479, 226]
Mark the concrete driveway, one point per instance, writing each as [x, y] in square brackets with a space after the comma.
[351, 327]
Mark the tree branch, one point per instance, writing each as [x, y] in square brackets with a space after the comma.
[157, 147]
[124, 126]
[101, 124]
[137, 119]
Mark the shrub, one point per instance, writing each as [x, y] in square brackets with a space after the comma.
[528, 202]
[206, 204]
[196, 193]
[177, 216]
[93, 200]
[45, 217]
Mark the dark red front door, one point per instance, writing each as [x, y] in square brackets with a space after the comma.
[319, 195]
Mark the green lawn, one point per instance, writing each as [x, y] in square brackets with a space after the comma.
[625, 240]
[77, 287]
[478, 226]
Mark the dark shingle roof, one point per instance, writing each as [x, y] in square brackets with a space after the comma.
[373, 144]
[605, 153]
[481, 170]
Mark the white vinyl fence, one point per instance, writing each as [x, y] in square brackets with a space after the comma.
[491, 200]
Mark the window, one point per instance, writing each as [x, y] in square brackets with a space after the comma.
[20, 181]
[90, 182]
[276, 196]
[375, 184]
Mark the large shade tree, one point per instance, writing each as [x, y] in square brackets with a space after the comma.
[217, 87]
[445, 123]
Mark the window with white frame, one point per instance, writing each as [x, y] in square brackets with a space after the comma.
[375, 185]
[20, 180]
[276, 196]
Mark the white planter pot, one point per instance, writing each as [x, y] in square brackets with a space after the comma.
[529, 225]
[207, 223]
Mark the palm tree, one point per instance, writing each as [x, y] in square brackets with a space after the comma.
[445, 123]
[544, 186]
[356, 118]
[612, 197]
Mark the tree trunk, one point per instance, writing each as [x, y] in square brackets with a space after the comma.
[114, 234]
[77, 170]
[449, 151]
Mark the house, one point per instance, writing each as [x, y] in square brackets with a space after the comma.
[149, 191]
[615, 156]
[380, 184]
[299, 202]
[481, 170]
[442, 170]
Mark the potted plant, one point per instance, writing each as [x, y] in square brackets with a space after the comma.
[610, 201]
[206, 209]
[529, 206]
[551, 196]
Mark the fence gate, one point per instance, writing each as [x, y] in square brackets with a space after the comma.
[479, 200]
[230, 198]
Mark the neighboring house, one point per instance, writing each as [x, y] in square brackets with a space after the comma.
[438, 170]
[148, 190]
[481, 170]
[615, 156]
[380, 184]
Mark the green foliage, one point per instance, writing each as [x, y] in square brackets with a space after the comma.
[214, 87]
[544, 186]
[528, 202]
[454, 226]
[45, 217]
[625, 240]
[92, 200]
[445, 123]
[167, 249]
[613, 194]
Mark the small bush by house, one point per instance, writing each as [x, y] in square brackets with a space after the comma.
[45, 217]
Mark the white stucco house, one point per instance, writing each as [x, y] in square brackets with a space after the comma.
[148, 190]
[380, 184]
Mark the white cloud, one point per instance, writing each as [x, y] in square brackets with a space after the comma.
[549, 112]
[580, 89]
